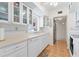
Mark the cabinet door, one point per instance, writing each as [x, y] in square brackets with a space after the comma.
[16, 12]
[4, 11]
[30, 16]
[2, 51]
[44, 40]
[24, 14]
[19, 53]
[34, 47]
[18, 49]
[22, 49]
[75, 47]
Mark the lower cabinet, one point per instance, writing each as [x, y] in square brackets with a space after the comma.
[19, 53]
[76, 48]
[15, 50]
[36, 45]
[29, 48]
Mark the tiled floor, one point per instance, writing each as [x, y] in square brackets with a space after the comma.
[57, 50]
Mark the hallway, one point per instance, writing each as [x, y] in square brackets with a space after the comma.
[57, 50]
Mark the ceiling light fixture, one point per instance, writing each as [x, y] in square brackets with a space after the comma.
[55, 4]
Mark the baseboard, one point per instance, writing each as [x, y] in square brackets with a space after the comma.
[51, 44]
[70, 53]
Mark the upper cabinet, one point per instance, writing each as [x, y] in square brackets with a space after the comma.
[4, 11]
[16, 12]
[30, 16]
[46, 21]
[24, 14]
[19, 13]
[36, 22]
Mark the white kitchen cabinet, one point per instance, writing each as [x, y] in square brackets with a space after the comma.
[76, 48]
[2, 51]
[46, 21]
[24, 14]
[4, 11]
[14, 50]
[27, 48]
[19, 13]
[30, 16]
[18, 53]
[36, 45]
[35, 22]
[16, 12]
[45, 41]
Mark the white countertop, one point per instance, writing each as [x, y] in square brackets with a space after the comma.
[18, 37]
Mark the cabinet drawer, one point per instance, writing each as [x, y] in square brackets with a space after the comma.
[34, 47]
[12, 48]
[19, 53]
[2, 51]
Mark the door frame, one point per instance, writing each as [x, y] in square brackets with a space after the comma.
[54, 28]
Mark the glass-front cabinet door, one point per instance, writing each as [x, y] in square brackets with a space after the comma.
[16, 12]
[46, 21]
[24, 14]
[4, 11]
[30, 16]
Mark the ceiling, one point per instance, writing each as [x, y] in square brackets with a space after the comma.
[49, 7]
[30, 4]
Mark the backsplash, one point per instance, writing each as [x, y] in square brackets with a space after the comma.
[13, 28]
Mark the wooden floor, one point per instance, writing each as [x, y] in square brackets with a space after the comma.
[57, 50]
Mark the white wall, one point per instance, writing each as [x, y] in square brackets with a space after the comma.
[53, 13]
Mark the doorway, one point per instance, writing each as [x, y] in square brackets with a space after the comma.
[59, 28]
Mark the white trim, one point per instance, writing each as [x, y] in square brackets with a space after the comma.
[3, 21]
[70, 53]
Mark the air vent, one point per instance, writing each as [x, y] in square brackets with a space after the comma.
[59, 12]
